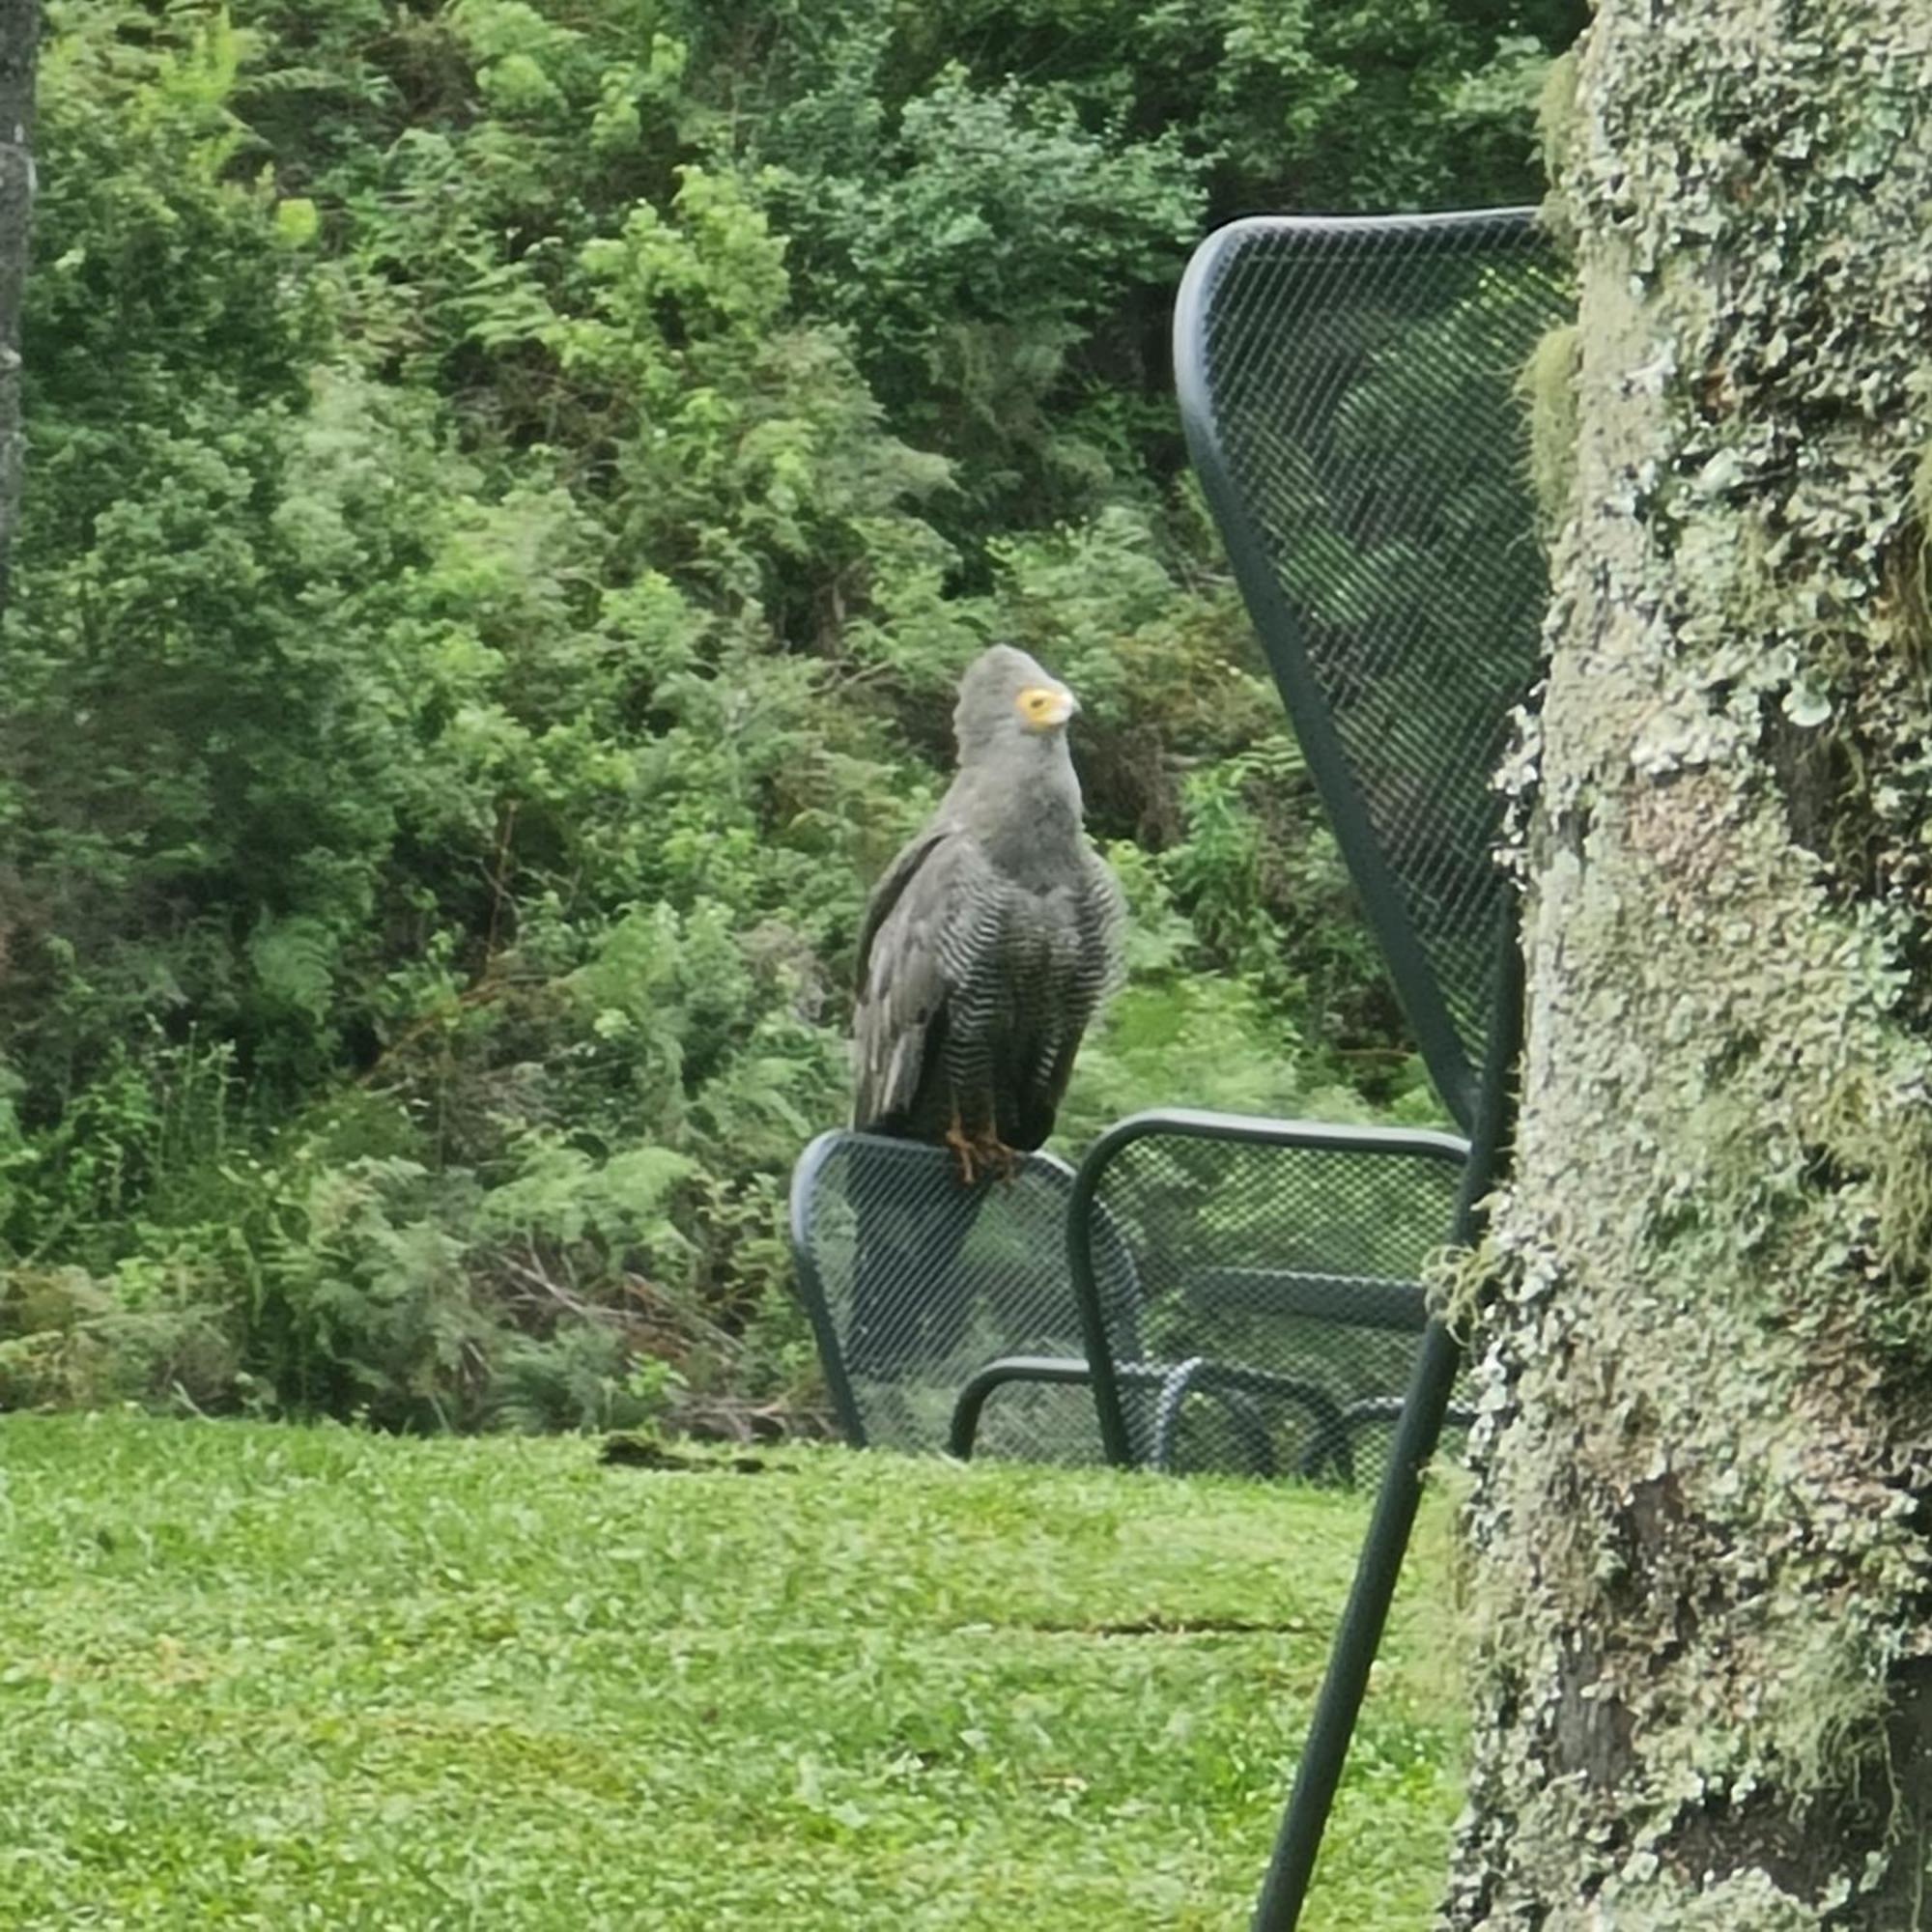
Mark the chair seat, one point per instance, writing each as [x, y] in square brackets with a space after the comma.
[1251, 1291]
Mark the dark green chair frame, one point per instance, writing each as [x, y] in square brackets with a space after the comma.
[1001, 1371]
[1471, 1073]
[1112, 1360]
[1346, 1299]
[1173, 1383]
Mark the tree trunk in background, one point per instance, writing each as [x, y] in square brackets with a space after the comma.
[19, 38]
[1703, 1575]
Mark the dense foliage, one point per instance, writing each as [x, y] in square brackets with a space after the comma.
[510, 489]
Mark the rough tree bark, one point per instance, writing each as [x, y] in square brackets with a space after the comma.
[19, 38]
[1703, 1534]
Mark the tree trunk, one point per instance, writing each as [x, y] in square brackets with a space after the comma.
[1701, 1572]
[19, 38]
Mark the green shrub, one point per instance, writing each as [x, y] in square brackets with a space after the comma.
[511, 490]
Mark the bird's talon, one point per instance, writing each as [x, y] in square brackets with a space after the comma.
[965, 1153]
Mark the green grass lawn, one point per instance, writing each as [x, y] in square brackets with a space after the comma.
[274, 1677]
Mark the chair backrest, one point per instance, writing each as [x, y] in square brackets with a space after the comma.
[1345, 384]
[1279, 1265]
[914, 1282]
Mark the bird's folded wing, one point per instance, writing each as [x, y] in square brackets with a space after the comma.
[907, 948]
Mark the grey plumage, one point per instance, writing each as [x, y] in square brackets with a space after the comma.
[992, 937]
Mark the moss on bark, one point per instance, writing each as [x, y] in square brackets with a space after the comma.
[1702, 1568]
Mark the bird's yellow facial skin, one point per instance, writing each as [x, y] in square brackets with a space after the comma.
[1045, 707]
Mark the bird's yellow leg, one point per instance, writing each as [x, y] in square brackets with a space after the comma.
[967, 1151]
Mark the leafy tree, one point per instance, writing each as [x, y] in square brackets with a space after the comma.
[514, 488]
[19, 40]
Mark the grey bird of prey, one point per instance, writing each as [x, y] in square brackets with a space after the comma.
[991, 938]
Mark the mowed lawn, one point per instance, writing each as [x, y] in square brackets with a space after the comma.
[262, 1676]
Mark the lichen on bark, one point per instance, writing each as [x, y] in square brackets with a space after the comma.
[1701, 1535]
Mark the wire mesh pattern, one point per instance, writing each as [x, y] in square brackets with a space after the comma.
[1346, 386]
[915, 1283]
[1279, 1267]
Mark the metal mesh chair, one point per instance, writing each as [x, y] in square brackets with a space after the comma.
[1280, 1304]
[1345, 388]
[943, 1315]
[1344, 385]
